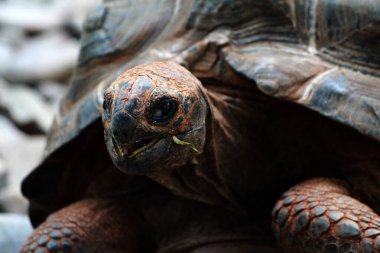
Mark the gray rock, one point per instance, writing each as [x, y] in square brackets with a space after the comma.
[14, 230]
[80, 11]
[3, 174]
[51, 56]
[32, 16]
[24, 105]
[44, 15]
[6, 53]
[53, 92]
[19, 154]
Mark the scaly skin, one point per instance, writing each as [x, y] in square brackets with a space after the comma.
[158, 222]
[320, 216]
[91, 225]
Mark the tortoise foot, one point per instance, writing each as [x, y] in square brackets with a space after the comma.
[319, 216]
[92, 225]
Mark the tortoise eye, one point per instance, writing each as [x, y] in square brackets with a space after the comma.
[163, 110]
[107, 100]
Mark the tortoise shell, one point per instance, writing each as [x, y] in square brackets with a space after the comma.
[323, 55]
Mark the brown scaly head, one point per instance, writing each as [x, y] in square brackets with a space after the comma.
[154, 118]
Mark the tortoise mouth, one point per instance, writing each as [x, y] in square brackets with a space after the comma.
[134, 149]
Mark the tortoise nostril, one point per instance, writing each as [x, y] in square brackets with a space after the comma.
[123, 126]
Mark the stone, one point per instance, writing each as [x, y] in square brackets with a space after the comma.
[31, 16]
[6, 52]
[45, 15]
[51, 56]
[52, 92]
[11, 38]
[3, 174]
[14, 230]
[19, 154]
[82, 8]
[25, 106]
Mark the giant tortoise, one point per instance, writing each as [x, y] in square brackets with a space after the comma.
[216, 126]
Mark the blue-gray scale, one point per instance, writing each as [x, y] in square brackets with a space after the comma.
[319, 225]
[347, 228]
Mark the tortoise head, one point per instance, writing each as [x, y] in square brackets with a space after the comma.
[154, 118]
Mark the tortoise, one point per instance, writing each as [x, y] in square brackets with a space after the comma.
[228, 126]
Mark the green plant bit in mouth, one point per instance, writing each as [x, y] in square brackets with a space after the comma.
[146, 146]
[180, 142]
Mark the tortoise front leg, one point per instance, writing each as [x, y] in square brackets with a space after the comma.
[320, 216]
[92, 225]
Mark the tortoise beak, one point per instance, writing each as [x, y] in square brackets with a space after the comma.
[122, 128]
[133, 149]
[127, 139]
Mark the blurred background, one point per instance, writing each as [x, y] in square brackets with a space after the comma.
[39, 46]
